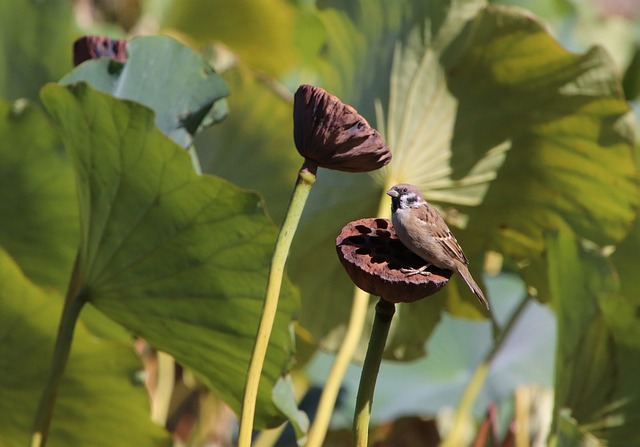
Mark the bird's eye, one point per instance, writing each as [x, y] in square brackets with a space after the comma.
[405, 190]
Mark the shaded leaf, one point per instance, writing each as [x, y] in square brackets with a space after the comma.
[253, 147]
[625, 259]
[35, 46]
[572, 435]
[165, 75]
[98, 403]
[174, 257]
[622, 310]
[39, 224]
[593, 370]
[631, 80]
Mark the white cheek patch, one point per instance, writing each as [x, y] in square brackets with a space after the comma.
[410, 201]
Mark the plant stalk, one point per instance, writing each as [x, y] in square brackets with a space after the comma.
[364, 401]
[455, 436]
[74, 302]
[344, 356]
[306, 179]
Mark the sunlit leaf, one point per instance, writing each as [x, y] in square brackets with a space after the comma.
[39, 224]
[174, 257]
[420, 127]
[98, 403]
[261, 32]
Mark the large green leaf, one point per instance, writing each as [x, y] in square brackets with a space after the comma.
[594, 369]
[571, 155]
[177, 258]
[165, 75]
[39, 224]
[98, 403]
[35, 45]
[620, 310]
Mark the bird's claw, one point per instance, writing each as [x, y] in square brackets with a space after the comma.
[421, 271]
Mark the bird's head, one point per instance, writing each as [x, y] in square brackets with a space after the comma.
[405, 196]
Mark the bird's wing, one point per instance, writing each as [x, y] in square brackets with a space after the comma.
[440, 231]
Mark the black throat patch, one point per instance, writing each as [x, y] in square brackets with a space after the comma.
[395, 204]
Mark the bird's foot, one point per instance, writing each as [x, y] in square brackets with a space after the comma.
[421, 271]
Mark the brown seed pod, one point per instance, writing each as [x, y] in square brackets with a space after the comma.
[95, 47]
[333, 135]
[374, 257]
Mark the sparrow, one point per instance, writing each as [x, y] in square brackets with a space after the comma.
[423, 231]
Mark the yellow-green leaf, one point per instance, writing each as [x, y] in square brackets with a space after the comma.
[98, 402]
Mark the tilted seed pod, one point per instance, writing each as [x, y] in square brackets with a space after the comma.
[333, 135]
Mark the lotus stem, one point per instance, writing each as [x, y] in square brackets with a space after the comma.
[364, 401]
[306, 179]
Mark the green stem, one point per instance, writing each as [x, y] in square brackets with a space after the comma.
[343, 359]
[72, 307]
[364, 401]
[306, 178]
[456, 434]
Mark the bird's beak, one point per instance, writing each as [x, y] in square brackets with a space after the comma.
[393, 193]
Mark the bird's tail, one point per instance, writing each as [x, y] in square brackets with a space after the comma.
[466, 275]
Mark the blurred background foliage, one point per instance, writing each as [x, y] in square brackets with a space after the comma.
[504, 113]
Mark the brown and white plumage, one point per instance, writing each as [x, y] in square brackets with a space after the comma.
[423, 231]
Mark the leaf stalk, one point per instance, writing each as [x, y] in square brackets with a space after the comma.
[74, 302]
